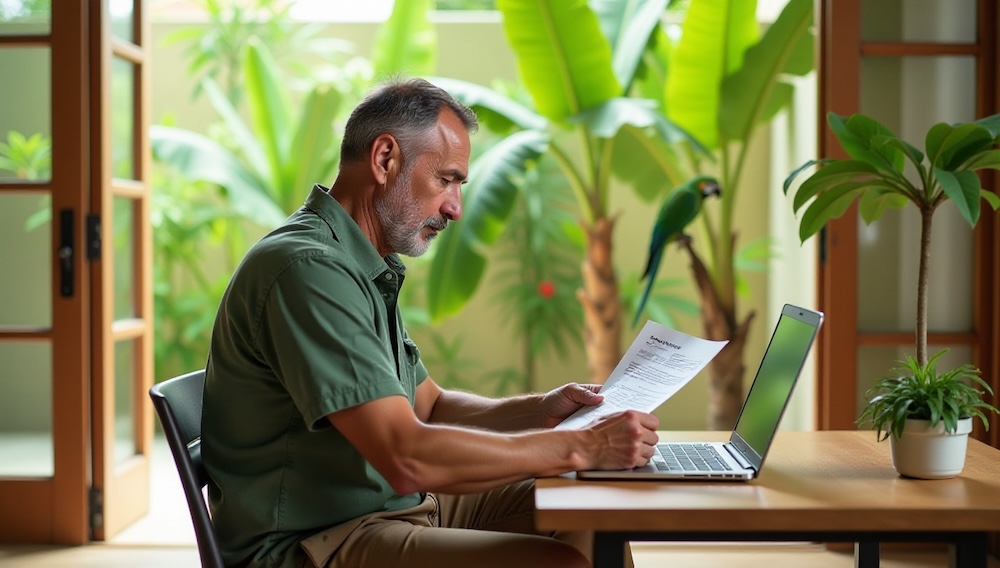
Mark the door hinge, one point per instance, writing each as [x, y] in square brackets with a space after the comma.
[96, 509]
[93, 237]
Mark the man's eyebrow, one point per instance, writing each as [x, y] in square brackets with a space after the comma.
[457, 174]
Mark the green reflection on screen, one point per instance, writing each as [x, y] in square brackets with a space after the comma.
[775, 380]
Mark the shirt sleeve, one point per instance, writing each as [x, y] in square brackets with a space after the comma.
[318, 332]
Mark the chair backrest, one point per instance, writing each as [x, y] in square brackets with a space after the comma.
[178, 404]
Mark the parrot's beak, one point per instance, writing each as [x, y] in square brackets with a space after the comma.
[712, 188]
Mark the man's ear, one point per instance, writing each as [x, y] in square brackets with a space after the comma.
[385, 158]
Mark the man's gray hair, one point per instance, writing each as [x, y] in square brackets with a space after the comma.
[406, 110]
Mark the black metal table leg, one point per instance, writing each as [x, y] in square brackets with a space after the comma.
[609, 550]
[970, 550]
[866, 554]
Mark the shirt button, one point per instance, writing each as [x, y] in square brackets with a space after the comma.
[388, 275]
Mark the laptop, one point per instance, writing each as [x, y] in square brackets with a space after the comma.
[742, 457]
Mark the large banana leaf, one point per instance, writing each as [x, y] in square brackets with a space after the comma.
[714, 37]
[314, 152]
[651, 77]
[201, 158]
[746, 93]
[245, 139]
[628, 25]
[406, 42]
[459, 259]
[495, 111]
[604, 121]
[646, 163]
[563, 58]
[270, 109]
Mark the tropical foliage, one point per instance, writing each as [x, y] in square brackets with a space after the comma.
[217, 51]
[614, 97]
[581, 118]
[26, 157]
[725, 80]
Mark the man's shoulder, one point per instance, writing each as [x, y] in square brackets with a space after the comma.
[299, 238]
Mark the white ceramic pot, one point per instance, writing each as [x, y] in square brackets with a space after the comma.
[930, 453]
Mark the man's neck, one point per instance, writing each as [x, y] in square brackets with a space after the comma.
[355, 196]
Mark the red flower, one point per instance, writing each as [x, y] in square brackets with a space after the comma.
[546, 289]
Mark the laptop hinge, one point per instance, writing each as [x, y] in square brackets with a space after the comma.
[731, 448]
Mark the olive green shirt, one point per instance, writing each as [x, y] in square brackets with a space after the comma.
[308, 326]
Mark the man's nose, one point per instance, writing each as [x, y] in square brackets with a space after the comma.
[452, 206]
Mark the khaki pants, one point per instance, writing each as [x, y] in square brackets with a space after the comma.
[484, 530]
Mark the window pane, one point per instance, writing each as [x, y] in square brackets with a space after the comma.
[25, 114]
[125, 442]
[123, 77]
[25, 17]
[124, 246]
[909, 95]
[121, 19]
[26, 281]
[26, 447]
[936, 21]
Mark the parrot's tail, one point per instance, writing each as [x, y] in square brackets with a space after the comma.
[651, 269]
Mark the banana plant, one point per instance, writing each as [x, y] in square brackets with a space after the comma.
[279, 153]
[285, 148]
[723, 80]
[582, 118]
[874, 177]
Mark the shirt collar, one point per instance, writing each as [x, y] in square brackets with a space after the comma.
[346, 230]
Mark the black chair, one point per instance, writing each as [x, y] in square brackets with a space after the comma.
[178, 404]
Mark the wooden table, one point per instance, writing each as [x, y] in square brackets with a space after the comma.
[831, 486]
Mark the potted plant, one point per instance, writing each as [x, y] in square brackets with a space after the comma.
[875, 176]
[934, 409]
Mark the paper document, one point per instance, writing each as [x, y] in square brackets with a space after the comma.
[659, 362]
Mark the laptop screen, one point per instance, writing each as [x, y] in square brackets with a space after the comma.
[772, 388]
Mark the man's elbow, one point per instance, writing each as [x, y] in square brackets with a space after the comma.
[404, 477]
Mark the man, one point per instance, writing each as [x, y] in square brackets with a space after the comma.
[326, 441]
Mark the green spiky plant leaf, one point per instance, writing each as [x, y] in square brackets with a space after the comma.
[920, 391]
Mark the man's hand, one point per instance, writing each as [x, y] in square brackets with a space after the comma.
[559, 403]
[623, 440]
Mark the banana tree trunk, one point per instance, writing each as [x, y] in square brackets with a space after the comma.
[602, 312]
[727, 369]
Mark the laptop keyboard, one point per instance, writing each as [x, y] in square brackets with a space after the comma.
[688, 457]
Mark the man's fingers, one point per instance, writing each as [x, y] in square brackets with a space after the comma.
[584, 394]
[648, 420]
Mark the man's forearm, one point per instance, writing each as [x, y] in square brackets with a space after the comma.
[509, 414]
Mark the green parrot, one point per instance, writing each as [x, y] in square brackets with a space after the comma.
[680, 208]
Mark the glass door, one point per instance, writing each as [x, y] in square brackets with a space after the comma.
[44, 340]
[75, 327]
[121, 293]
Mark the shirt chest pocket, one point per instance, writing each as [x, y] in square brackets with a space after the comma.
[408, 366]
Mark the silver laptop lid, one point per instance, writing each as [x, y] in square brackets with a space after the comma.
[772, 387]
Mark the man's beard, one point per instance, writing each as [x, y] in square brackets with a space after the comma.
[398, 213]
